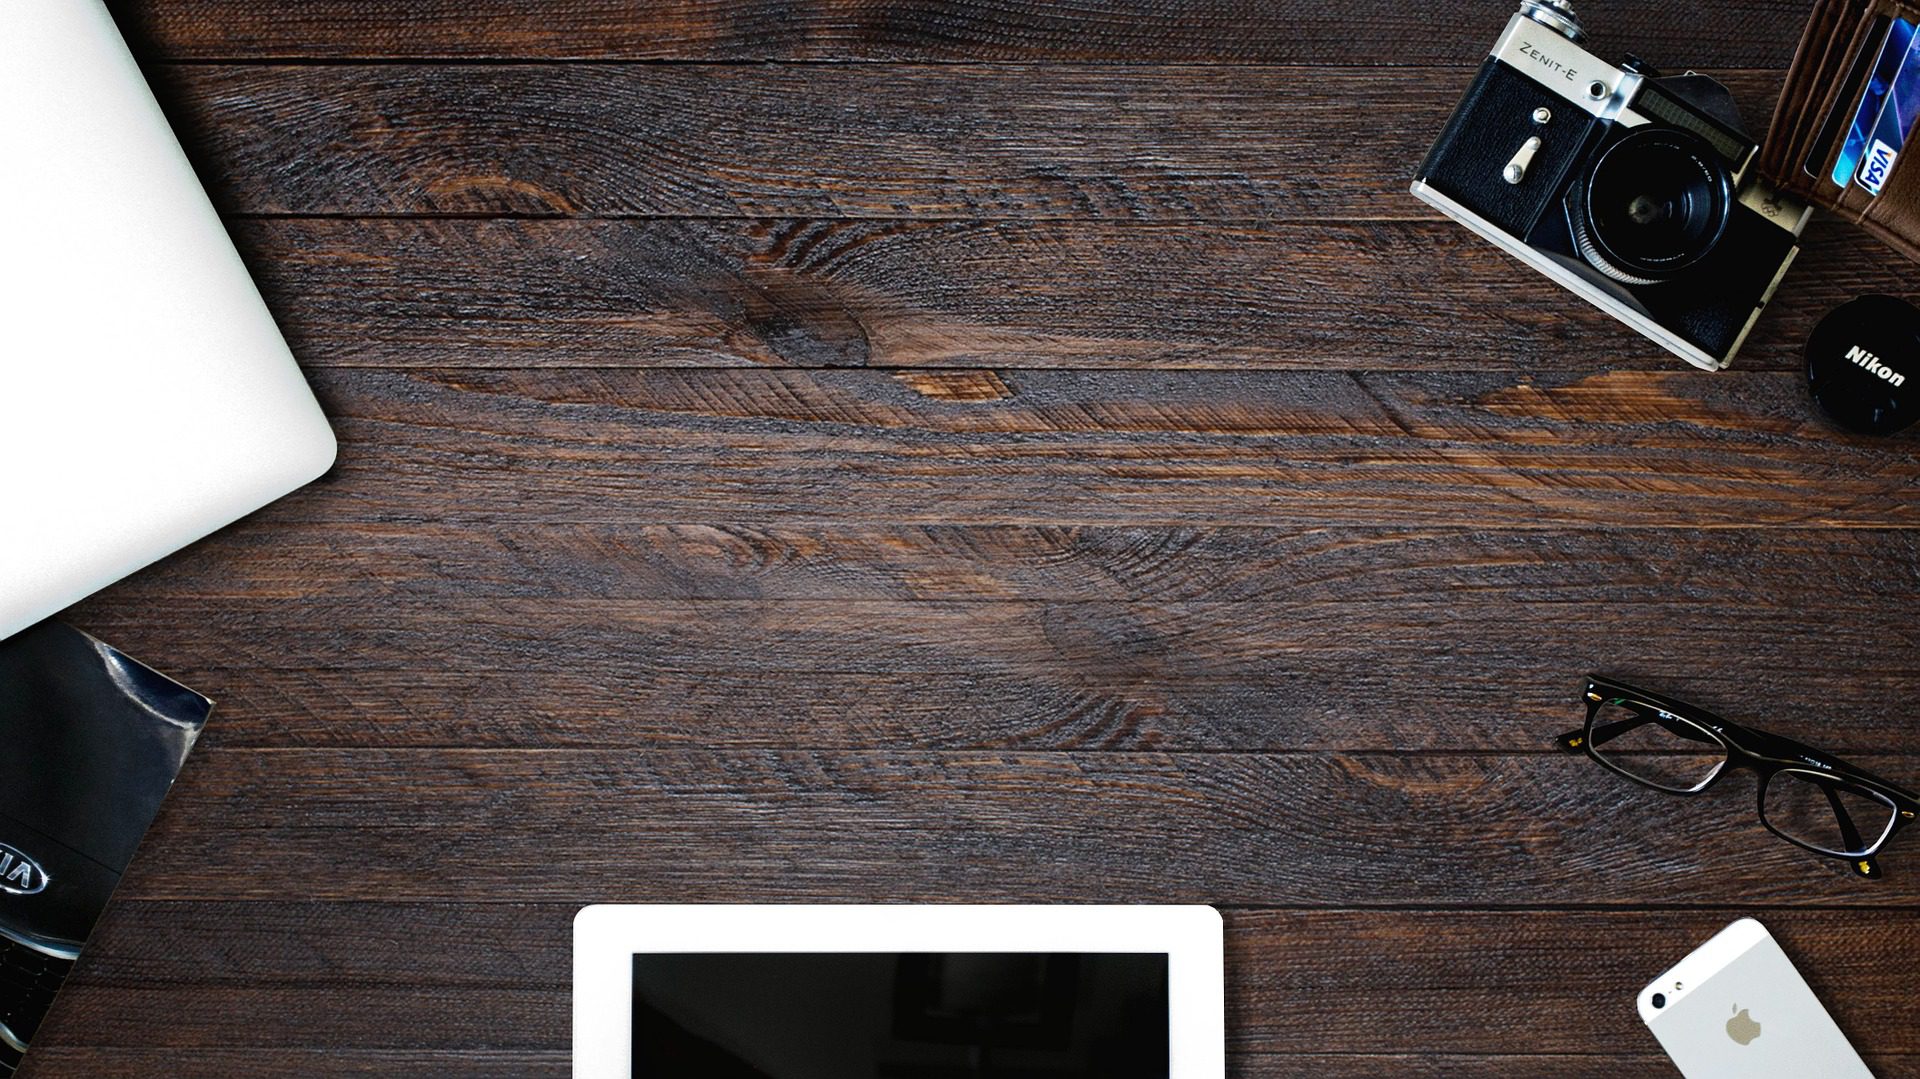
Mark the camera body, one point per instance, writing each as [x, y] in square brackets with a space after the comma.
[1632, 190]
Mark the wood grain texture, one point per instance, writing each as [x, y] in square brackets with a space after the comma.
[973, 142]
[469, 826]
[1612, 449]
[1007, 295]
[1757, 32]
[56, 1058]
[279, 1063]
[1366, 566]
[1280, 674]
[1465, 1066]
[528, 634]
[1433, 701]
[1378, 984]
[1049, 458]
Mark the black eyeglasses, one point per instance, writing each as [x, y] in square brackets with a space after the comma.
[1808, 798]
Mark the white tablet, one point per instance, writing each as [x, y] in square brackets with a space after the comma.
[897, 992]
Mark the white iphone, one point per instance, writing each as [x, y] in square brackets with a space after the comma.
[1736, 1009]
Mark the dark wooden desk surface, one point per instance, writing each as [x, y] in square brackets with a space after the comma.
[936, 451]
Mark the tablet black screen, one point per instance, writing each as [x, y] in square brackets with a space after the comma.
[918, 1015]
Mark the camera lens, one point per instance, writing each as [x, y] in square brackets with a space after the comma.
[1653, 204]
[1659, 1000]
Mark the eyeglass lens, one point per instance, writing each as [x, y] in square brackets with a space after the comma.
[1826, 813]
[1656, 748]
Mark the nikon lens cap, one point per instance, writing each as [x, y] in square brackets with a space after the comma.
[1863, 365]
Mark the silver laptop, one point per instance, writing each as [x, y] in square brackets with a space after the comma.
[146, 396]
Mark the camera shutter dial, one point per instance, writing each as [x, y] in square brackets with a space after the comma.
[1555, 15]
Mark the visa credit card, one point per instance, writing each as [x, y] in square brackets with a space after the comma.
[1895, 123]
[1886, 68]
[1851, 90]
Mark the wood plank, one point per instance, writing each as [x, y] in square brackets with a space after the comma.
[1790, 569]
[1619, 448]
[492, 980]
[469, 827]
[1604, 1063]
[1505, 697]
[1756, 32]
[1414, 672]
[1554, 982]
[431, 633]
[971, 142]
[215, 1063]
[1377, 296]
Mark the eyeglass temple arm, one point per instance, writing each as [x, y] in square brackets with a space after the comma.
[1787, 747]
[1575, 741]
[1865, 865]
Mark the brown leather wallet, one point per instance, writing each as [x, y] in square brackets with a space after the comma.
[1835, 35]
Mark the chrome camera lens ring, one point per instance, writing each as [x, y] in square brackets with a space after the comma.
[1651, 205]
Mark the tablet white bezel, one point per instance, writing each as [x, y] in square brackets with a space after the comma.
[606, 938]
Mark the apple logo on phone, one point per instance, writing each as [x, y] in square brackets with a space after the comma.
[1742, 1027]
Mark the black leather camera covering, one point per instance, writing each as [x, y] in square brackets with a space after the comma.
[1491, 122]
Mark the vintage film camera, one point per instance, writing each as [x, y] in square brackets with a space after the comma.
[1631, 189]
